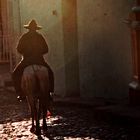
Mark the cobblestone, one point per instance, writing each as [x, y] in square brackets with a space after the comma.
[66, 123]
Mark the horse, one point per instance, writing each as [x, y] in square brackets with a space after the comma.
[35, 86]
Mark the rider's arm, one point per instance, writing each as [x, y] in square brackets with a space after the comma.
[20, 46]
[44, 46]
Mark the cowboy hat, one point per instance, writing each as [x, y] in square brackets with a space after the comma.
[32, 25]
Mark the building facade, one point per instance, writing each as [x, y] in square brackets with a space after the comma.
[89, 44]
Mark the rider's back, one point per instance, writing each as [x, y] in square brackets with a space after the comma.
[32, 46]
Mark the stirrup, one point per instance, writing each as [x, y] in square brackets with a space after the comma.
[20, 98]
[51, 96]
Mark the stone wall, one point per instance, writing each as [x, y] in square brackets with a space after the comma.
[104, 48]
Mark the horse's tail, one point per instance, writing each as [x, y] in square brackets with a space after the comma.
[42, 81]
[28, 84]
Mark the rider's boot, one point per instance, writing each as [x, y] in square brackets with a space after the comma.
[51, 96]
[50, 108]
[20, 96]
[17, 85]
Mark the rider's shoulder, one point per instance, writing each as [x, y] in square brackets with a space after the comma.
[29, 34]
[24, 35]
[39, 34]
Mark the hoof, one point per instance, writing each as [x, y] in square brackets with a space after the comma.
[32, 130]
[45, 128]
[38, 131]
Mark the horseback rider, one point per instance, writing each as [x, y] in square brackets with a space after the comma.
[32, 46]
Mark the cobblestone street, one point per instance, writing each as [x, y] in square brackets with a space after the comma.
[66, 123]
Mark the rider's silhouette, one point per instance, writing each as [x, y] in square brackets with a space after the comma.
[32, 46]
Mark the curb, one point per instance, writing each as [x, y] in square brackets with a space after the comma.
[116, 114]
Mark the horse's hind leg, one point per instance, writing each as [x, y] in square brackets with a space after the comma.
[35, 114]
[32, 129]
[44, 118]
[38, 114]
[32, 108]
